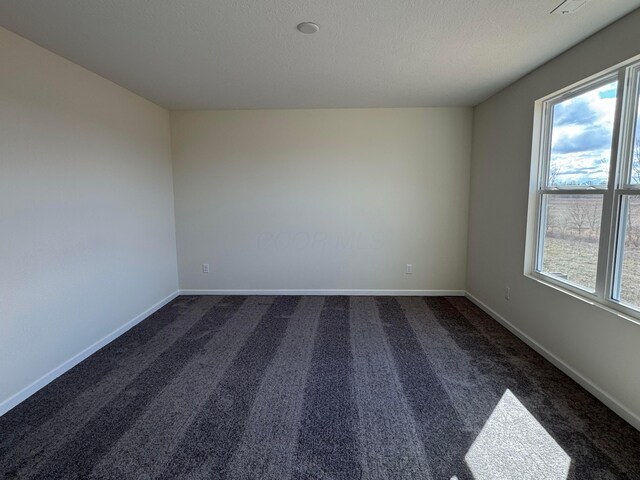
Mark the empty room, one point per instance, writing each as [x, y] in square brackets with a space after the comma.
[297, 240]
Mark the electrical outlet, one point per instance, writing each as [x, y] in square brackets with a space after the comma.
[507, 293]
[409, 269]
[205, 268]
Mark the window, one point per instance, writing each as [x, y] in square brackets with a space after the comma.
[584, 221]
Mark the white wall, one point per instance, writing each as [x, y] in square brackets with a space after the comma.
[87, 238]
[602, 348]
[322, 199]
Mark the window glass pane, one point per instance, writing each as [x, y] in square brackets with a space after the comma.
[629, 266]
[570, 236]
[581, 137]
[635, 154]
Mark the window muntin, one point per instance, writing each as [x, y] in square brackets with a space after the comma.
[587, 191]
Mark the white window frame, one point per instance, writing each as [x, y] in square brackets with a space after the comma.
[611, 235]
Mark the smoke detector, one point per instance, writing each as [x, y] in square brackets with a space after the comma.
[308, 27]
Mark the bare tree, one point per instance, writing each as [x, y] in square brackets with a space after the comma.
[579, 214]
[554, 221]
[633, 231]
[553, 174]
[635, 161]
[594, 218]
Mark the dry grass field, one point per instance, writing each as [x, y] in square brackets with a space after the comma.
[571, 243]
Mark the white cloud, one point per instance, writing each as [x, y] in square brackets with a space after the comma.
[581, 137]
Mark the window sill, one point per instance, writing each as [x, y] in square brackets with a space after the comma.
[611, 307]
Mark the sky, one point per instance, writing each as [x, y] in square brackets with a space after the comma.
[581, 138]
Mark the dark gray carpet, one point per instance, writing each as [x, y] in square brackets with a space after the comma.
[316, 388]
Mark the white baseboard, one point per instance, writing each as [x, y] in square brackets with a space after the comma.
[611, 402]
[589, 385]
[26, 392]
[351, 292]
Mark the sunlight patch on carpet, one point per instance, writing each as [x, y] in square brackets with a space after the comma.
[513, 444]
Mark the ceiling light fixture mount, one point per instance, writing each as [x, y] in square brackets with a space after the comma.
[308, 27]
[568, 7]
